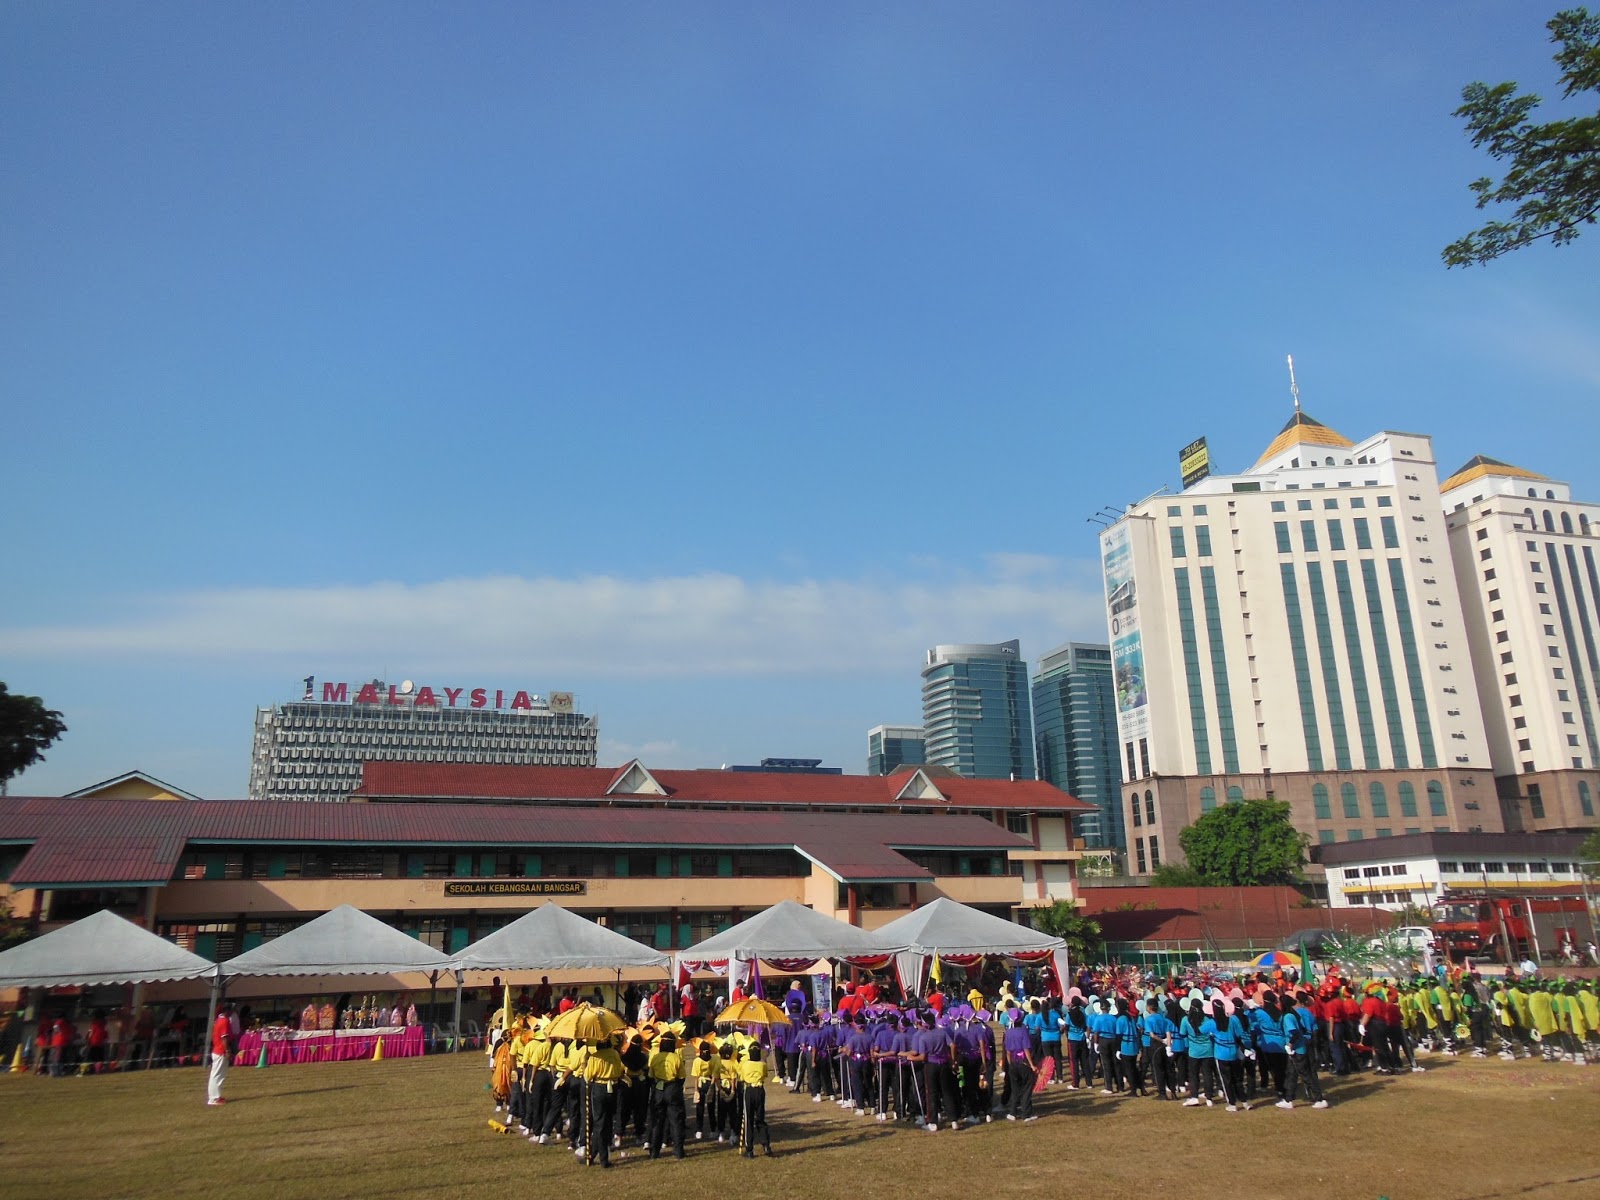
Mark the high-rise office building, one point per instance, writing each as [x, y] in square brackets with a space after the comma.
[1295, 631]
[1075, 736]
[976, 713]
[1529, 576]
[890, 747]
[313, 748]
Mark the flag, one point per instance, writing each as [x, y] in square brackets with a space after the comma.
[1307, 976]
[505, 1011]
[755, 980]
[937, 973]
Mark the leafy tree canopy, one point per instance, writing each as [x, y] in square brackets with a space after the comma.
[1553, 169]
[1081, 933]
[1177, 875]
[1589, 852]
[1245, 845]
[27, 728]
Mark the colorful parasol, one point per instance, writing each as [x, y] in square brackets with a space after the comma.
[586, 1023]
[1276, 958]
[752, 1011]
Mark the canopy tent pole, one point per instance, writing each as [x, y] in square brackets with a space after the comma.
[459, 1038]
[433, 999]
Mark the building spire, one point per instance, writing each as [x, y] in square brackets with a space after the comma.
[1294, 388]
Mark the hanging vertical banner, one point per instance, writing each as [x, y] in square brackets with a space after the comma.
[1194, 462]
[1127, 647]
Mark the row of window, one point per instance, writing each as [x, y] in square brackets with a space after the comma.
[1377, 800]
[1331, 502]
[553, 862]
[1466, 867]
[1336, 541]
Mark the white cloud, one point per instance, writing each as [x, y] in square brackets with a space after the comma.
[708, 624]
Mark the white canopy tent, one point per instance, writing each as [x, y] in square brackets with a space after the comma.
[344, 941]
[99, 949]
[944, 927]
[554, 938]
[786, 934]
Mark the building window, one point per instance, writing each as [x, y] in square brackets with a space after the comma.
[1149, 808]
[1174, 510]
[1363, 534]
[1138, 846]
[1202, 540]
[1378, 798]
[1144, 758]
[1408, 799]
[1133, 772]
[1308, 536]
[1335, 534]
[1277, 506]
[1325, 836]
[1177, 541]
[1133, 805]
[1281, 530]
[1351, 802]
[1391, 536]
[1155, 853]
[1235, 795]
[1208, 799]
[1585, 801]
[1319, 800]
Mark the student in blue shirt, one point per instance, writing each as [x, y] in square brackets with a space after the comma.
[1298, 1026]
[1179, 1062]
[1158, 1037]
[1104, 1024]
[1078, 1045]
[1050, 1035]
[1266, 1028]
[1202, 1055]
[1228, 1039]
[1129, 1036]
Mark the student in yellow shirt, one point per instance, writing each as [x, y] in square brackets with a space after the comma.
[538, 1082]
[603, 1075]
[753, 1072]
[725, 1116]
[665, 1080]
[703, 1072]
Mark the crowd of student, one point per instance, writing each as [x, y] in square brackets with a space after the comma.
[103, 1040]
[943, 1064]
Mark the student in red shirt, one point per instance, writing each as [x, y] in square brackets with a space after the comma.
[222, 1046]
[61, 1039]
[96, 1041]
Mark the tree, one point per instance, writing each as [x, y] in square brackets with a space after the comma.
[1554, 169]
[1177, 875]
[1245, 845]
[1082, 934]
[1589, 852]
[27, 728]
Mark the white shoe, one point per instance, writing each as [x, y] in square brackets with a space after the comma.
[1010, 1117]
[698, 1135]
[1209, 1103]
[1025, 1120]
[1192, 1102]
[1233, 1108]
[1320, 1104]
[1107, 1092]
[1283, 1104]
[931, 1128]
[1418, 1070]
[1244, 1106]
[816, 1099]
[883, 1116]
[578, 1150]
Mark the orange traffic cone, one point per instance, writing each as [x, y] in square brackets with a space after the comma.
[17, 1067]
[377, 1051]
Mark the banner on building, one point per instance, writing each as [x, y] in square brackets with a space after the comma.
[1194, 462]
[518, 887]
[1127, 647]
[560, 702]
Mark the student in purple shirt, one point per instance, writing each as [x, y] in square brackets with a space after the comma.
[858, 1053]
[1021, 1070]
[883, 1068]
[931, 1049]
[907, 1090]
[969, 1068]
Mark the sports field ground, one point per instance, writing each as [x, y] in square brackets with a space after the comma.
[418, 1127]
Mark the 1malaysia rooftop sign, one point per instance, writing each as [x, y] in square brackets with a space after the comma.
[409, 695]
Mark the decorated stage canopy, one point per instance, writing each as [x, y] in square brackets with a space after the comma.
[100, 949]
[345, 941]
[950, 929]
[555, 938]
[789, 933]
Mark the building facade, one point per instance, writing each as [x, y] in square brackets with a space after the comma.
[1425, 869]
[1525, 559]
[1075, 736]
[1296, 632]
[890, 747]
[312, 749]
[977, 714]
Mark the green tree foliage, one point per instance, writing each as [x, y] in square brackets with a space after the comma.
[1245, 845]
[1177, 875]
[1589, 852]
[27, 728]
[1082, 934]
[1553, 169]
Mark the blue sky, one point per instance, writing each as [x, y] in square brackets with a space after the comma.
[711, 361]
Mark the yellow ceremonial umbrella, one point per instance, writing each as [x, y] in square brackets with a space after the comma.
[586, 1023]
[752, 1011]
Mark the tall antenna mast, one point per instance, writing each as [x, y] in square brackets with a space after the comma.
[1294, 388]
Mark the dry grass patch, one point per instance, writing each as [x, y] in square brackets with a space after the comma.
[417, 1128]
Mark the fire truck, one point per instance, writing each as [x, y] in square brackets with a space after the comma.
[1497, 927]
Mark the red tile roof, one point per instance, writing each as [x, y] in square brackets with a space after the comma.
[106, 842]
[473, 781]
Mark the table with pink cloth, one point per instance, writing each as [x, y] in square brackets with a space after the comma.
[295, 1046]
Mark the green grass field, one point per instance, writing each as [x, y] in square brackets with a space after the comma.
[418, 1127]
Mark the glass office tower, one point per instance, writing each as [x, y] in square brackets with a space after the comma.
[1075, 735]
[890, 747]
[977, 715]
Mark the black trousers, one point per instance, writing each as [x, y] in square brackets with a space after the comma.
[754, 1128]
[599, 1121]
[1020, 1076]
[666, 1117]
[1082, 1064]
[1302, 1071]
[939, 1092]
[1132, 1076]
[970, 1089]
[1202, 1077]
